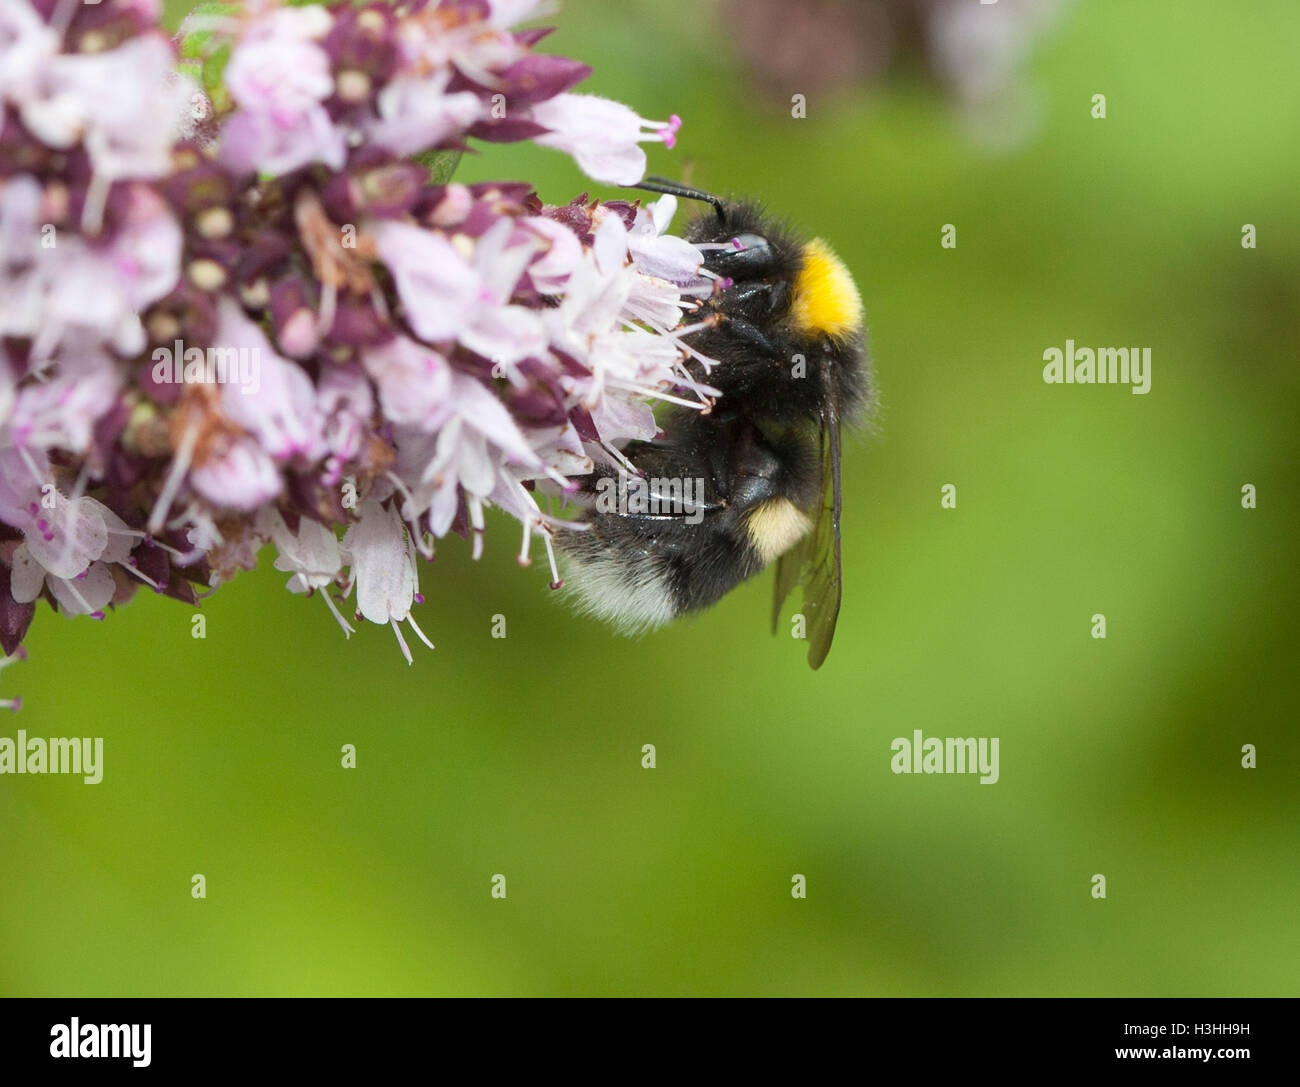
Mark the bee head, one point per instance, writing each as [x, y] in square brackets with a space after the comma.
[784, 298]
[743, 256]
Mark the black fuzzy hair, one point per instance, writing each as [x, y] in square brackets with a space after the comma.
[763, 384]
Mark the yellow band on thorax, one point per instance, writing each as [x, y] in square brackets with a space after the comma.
[825, 298]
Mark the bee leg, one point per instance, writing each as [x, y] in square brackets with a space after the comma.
[777, 291]
[751, 334]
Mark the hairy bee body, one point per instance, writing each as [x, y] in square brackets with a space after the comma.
[642, 570]
[802, 300]
[785, 330]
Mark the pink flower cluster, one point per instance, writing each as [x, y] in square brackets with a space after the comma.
[248, 317]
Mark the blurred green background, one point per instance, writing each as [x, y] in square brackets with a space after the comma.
[522, 756]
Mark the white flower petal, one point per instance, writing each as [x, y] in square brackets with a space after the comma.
[383, 563]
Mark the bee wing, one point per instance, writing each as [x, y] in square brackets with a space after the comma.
[789, 567]
[815, 561]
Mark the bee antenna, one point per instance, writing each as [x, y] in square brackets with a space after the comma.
[673, 188]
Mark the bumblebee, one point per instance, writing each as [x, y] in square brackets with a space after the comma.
[785, 328]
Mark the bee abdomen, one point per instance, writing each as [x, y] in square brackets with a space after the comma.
[630, 590]
[637, 584]
[774, 527]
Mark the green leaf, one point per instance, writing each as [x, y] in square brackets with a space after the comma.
[195, 43]
[440, 164]
[214, 69]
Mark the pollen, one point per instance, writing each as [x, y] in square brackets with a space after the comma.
[775, 527]
[826, 300]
